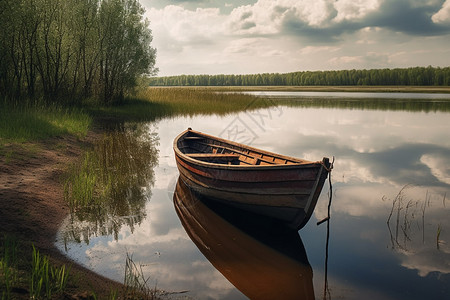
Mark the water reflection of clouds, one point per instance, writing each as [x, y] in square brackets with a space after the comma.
[427, 261]
[376, 152]
[404, 164]
[169, 258]
[398, 154]
[439, 165]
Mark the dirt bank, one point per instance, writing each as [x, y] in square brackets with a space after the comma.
[32, 205]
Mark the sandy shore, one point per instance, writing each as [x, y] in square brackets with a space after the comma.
[32, 206]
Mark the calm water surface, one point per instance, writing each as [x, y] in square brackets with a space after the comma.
[360, 95]
[390, 214]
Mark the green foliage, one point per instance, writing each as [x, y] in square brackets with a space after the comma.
[417, 76]
[64, 51]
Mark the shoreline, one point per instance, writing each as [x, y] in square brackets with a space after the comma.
[368, 89]
[33, 207]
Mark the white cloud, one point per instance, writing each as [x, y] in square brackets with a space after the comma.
[186, 26]
[296, 35]
[354, 9]
[268, 17]
[315, 49]
[443, 15]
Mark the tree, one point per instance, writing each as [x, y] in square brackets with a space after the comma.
[125, 51]
[66, 50]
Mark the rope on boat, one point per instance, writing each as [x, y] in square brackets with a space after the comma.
[330, 193]
[328, 168]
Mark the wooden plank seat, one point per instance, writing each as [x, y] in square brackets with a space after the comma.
[228, 156]
[252, 156]
[194, 138]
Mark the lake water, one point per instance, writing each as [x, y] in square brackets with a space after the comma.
[351, 95]
[389, 232]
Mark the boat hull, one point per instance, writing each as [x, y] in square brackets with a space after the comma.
[286, 192]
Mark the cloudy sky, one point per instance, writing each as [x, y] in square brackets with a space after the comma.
[257, 36]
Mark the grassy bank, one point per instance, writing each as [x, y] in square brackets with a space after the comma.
[24, 123]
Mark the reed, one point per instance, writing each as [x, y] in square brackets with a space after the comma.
[119, 162]
[438, 234]
[135, 283]
[46, 280]
[189, 101]
[80, 184]
[154, 103]
[113, 294]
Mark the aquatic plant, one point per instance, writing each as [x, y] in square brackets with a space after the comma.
[438, 234]
[108, 187]
[194, 101]
[135, 282]
[409, 220]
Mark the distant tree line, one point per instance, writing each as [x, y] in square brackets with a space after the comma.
[418, 76]
[67, 50]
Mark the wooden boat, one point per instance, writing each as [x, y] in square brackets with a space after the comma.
[259, 181]
[261, 263]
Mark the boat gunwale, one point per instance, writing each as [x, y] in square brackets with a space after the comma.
[300, 162]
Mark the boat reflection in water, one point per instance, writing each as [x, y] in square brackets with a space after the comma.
[261, 258]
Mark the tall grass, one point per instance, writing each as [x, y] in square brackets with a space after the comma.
[189, 101]
[30, 122]
[8, 266]
[107, 187]
[154, 103]
[135, 283]
[46, 280]
[79, 187]
[120, 163]
[40, 278]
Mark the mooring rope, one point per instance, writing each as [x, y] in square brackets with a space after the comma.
[327, 219]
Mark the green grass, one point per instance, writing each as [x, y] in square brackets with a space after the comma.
[23, 123]
[8, 267]
[22, 270]
[46, 280]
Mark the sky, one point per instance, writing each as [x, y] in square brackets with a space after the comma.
[280, 36]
